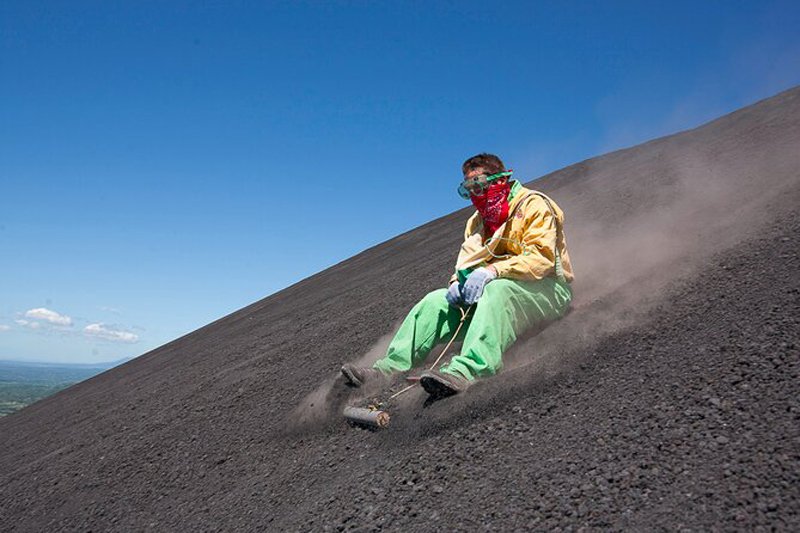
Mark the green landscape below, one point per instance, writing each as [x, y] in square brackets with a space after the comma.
[22, 384]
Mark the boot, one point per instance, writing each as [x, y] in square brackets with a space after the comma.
[358, 376]
[439, 385]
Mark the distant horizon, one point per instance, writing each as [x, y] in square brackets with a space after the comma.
[104, 364]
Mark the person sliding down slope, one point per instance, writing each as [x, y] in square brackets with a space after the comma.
[512, 272]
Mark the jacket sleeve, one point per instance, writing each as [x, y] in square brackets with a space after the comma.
[534, 257]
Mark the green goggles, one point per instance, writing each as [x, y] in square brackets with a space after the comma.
[477, 186]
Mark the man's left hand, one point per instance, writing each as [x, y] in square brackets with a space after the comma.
[476, 281]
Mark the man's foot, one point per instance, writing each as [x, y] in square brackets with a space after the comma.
[358, 376]
[439, 385]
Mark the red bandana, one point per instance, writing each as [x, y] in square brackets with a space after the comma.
[493, 206]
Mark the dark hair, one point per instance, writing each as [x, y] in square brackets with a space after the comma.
[490, 162]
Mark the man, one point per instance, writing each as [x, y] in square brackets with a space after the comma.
[512, 272]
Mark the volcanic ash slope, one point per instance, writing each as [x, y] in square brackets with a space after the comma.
[667, 398]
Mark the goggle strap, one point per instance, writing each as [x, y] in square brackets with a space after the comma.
[499, 175]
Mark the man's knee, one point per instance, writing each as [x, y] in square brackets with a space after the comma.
[436, 296]
[500, 284]
[495, 291]
[434, 299]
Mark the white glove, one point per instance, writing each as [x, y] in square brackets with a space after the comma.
[454, 295]
[476, 281]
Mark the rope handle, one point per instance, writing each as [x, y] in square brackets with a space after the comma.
[458, 329]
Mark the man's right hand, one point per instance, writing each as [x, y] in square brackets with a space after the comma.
[454, 297]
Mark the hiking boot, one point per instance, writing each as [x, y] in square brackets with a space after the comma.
[439, 385]
[358, 376]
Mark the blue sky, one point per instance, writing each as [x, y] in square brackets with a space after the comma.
[163, 164]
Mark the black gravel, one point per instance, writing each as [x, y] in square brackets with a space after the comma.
[668, 399]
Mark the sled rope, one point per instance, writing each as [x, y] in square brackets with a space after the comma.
[460, 323]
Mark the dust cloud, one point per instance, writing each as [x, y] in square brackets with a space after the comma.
[641, 220]
[326, 402]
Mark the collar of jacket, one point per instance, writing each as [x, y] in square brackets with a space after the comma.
[515, 187]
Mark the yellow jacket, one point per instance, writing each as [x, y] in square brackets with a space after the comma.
[524, 247]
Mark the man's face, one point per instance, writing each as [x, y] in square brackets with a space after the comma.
[475, 172]
[480, 171]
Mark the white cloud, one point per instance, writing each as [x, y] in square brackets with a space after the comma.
[47, 315]
[4, 327]
[28, 324]
[109, 333]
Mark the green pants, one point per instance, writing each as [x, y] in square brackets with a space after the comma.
[505, 310]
